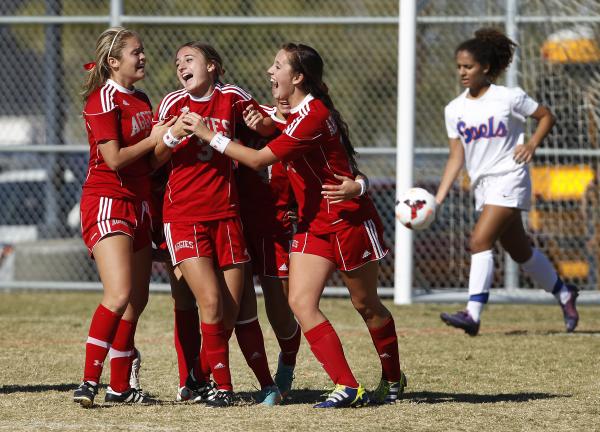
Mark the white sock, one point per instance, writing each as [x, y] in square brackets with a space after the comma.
[480, 281]
[474, 308]
[541, 270]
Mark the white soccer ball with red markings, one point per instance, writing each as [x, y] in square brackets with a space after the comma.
[415, 209]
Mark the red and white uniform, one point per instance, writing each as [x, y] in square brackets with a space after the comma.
[348, 233]
[116, 200]
[201, 186]
[265, 198]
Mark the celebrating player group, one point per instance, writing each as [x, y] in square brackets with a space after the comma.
[221, 189]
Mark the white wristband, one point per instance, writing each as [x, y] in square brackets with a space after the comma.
[363, 186]
[219, 142]
[170, 140]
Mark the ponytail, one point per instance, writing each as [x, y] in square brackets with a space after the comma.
[307, 61]
[109, 44]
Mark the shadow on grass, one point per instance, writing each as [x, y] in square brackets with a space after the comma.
[296, 396]
[36, 388]
[439, 397]
[552, 333]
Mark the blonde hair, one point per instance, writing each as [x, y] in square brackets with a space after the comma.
[109, 44]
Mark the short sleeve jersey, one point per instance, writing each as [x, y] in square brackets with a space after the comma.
[489, 128]
[201, 184]
[114, 112]
[265, 195]
[312, 153]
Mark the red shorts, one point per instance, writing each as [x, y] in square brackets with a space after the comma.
[102, 216]
[270, 253]
[349, 248]
[221, 240]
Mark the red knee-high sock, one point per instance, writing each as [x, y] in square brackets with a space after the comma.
[217, 353]
[187, 343]
[327, 348]
[386, 344]
[121, 357]
[101, 334]
[289, 347]
[251, 342]
[202, 367]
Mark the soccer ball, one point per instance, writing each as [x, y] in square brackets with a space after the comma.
[415, 209]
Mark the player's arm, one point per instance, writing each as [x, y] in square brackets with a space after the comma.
[170, 139]
[545, 121]
[347, 189]
[117, 157]
[255, 159]
[455, 163]
[255, 120]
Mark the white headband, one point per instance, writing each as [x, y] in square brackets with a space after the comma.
[113, 43]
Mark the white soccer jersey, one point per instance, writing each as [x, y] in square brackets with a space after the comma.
[489, 128]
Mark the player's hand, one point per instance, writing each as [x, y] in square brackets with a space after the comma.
[524, 153]
[160, 128]
[347, 190]
[252, 117]
[178, 128]
[194, 124]
[290, 216]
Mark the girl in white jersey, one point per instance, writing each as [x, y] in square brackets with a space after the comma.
[486, 126]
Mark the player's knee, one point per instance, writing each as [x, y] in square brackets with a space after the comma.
[479, 244]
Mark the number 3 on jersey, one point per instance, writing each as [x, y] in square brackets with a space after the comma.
[206, 152]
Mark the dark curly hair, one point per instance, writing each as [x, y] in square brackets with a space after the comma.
[492, 48]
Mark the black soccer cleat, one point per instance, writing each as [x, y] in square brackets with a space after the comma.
[85, 393]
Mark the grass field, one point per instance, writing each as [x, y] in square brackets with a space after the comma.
[521, 373]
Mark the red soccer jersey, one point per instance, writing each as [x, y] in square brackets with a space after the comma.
[265, 195]
[201, 184]
[311, 149]
[113, 112]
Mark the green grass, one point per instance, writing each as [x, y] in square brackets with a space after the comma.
[521, 373]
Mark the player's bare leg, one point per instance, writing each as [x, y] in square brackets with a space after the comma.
[362, 285]
[492, 222]
[516, 242]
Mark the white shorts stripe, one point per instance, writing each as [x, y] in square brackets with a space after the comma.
[376, 237]
[305, 241]
[376, 243]
[97, 342]
[340, 251]
[373, 237]
[167, 229]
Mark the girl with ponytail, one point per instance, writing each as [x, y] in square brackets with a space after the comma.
[486, 126]
[332, 234]
[115, 213]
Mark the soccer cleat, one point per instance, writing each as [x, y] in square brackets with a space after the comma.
[220, 399]
[85, 393]
[570, 314]
[270, 396]
[130, 396]
[283, 378]
[194, 391]
[461, 320]
[136, 364]
[345, 397]
[388, 392]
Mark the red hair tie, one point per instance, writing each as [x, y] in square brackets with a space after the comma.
[89, 66]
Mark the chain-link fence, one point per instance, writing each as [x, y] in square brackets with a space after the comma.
[43, 154]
